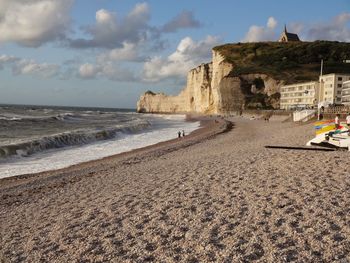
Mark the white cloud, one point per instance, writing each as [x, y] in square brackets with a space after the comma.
[21, 66]
[30, 67]
[7, 59]
[260, 33]
[187, 55]
[128, 52]
[110, 32]
[33, 22]
[271, 22]
[105, 69]
[105, 17]
[115, 32]
[88, 71]
[139, 14]
[337, 29]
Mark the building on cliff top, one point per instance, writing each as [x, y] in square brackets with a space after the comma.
[287, 37]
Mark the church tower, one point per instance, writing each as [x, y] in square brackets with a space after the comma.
[287, 37]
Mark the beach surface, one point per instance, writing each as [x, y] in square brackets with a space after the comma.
[213, 196]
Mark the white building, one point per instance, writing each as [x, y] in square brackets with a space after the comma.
[328, 90]
[345, 96]
[300, 95]
[331, 87]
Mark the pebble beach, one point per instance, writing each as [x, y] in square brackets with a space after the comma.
[217, 195]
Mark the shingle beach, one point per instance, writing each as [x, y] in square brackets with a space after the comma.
[212, 196]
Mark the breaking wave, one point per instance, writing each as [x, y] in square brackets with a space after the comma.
[59, 117]
[72, 138]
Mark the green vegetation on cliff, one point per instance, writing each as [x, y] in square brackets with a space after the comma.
[291, 62]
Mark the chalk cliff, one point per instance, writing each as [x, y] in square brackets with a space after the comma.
[249, 75]
[211, 89]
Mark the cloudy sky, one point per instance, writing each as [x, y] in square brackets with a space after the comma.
[107, 52]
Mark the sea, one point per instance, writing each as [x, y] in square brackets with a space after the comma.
[42, 138]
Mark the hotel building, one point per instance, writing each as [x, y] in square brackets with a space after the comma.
[327, 90]
[345, 96]
[301, 95]
[331, 87]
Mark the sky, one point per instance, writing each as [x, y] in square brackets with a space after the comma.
[106, 53]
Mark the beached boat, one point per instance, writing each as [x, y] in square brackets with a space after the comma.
[327, 135]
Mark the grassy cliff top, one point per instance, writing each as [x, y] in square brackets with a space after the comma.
[292, 61]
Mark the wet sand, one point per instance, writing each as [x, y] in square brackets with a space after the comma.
[204, 198]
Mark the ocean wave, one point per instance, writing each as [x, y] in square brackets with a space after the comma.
[67, 116]
[28, 118]
[74, 138]
[10, 118]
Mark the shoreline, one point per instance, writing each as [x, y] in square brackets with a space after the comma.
[208, 128]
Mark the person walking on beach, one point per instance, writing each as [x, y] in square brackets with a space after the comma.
[183, 133]
[337, 121]
[179, 134]
[348, 120]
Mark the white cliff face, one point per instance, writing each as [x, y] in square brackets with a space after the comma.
[221, 69]
[161, 103]
[209, 90]
[195, 97]
[199, 89]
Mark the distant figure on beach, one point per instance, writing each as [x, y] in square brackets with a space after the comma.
[320, 117]
[348, 120]
[183, 133]
[337, 121]
[179, 134]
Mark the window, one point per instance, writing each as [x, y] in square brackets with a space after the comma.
[339, 85]
[340, 78]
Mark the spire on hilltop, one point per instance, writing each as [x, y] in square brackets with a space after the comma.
[286, 37]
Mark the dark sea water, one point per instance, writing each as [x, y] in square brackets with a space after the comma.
[39, 138]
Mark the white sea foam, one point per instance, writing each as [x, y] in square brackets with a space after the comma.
[57, 159]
